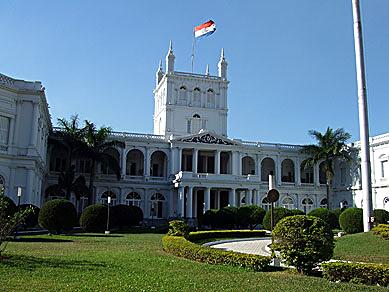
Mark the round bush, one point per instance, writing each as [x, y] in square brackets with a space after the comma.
[303, 241]
[337, 213]
[325, 215]
[58, 215]
[351, 220]
[279, 213]
[121, 216]
[137, 215]
[94, 218]
[32, 218]
[10, 207]
[178, 228]
[381, 216]
[210, 218]
[296, 212]
[250, 216]
[228, 216]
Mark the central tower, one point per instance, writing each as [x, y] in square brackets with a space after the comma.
[185, 103]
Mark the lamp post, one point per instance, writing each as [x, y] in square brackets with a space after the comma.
[109, 203]
[19, 196]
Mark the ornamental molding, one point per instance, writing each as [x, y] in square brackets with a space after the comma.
[207, 138]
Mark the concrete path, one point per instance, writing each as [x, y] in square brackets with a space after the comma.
[245, 245]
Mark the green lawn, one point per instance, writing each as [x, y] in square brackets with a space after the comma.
[134, 262]
[362, 247]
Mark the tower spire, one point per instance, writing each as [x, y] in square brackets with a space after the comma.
[159, 74]
[170, 59]
[222, 66]
[207, 70]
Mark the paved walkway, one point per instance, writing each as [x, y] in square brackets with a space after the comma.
[244, 245]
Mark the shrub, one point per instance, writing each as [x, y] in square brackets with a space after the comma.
[137, 215]
[279, 213]
[296, 212]
[32, 219]
[94, 218]
[380, 216]
[210, 218]
[121, 216]
[303, 241]
[58, 215]
[325, 215]
[382, 230]
[178, 228]
[200, 235]
[9, 207]
[368, 274]
[181, 247]
[227, 216]
[351, 220]
[250, 216]
[337, 213]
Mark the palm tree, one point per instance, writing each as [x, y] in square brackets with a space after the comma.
[96, 142]
[331, 146]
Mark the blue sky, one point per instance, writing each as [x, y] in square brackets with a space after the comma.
[291, 62]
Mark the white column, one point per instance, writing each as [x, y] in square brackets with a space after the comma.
[258, 166]
[34, 124]
[194, 160]
[217, 162]
[146, 163]
[124, 162]
[278, 171]
[297, 172]
[11, 134]
[171, 203]
[194, 210]
[257, 202]
[239, 163]
[248, 197]
[180, 202]
[179, 160]
[17, 121]
[232, 197]
[189, 203]
[316, 174]
[207, 199]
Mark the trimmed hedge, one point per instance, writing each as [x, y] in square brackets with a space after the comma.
[10, 208]
[279, 213]
[181, 247]
[178, 228]
[250, 216]
[381, 216]
[368, 274]
[32, 218]
[351, 220]
[137, 215]
[200, 235]
[325, 215]
[382, 230]
[94, 218]
[58, 215]
[121, 216]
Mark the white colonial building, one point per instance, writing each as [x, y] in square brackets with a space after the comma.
[189, 164]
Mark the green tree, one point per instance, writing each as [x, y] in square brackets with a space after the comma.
[331, 146]
[96, 143]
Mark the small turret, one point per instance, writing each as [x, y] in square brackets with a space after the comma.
[222, 66]
[170, 59]
[159, 74]
[207, 70]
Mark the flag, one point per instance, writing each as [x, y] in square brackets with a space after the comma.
[205, 29]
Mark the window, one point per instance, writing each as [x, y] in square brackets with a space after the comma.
[196, 116]
[157, 203]
[323, 203]
[210, 98]
[83, 166]
[104, 198]
[204, 124]
[307, 205]
[384, 168]
[133, 199]
[196, 97]
[288, 203]
[4, 129]
[182, 100]
[266, 204]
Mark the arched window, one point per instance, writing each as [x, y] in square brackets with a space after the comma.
[343, 204]
[196, 97]
[58, 159]
[266, 204]
[157, 205]
[84, 201]
[306, 173]
[288, 203]
[133, 199]
[135, 162]
[287, 170]
[182, 100]
[107, 168]
[386, 203]
[248, 165]
[105, 195]
[158, 164]
[307, 204]
[196, 116]
[267, 167]
[196, 123]
[210, 98]
[323, 203]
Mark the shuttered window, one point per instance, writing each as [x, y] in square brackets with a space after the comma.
[4, 129]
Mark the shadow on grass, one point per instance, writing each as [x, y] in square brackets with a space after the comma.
[40, 239]
[32, 263]
[94, 235]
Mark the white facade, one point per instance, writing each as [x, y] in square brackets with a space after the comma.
[24, 129]
[188, 165]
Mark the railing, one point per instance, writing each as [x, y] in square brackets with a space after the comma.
[269, 145]
[187, 74]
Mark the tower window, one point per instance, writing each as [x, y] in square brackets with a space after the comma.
[196, 116]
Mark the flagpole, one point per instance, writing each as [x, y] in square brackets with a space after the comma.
[363, 118]
[193, 48]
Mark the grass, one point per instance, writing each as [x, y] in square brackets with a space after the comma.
[362, 247]
[134, 262]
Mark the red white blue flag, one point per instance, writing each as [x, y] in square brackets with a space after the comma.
[205, 29]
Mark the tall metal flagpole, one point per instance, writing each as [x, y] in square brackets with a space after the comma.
[363, 118]
[193, 48]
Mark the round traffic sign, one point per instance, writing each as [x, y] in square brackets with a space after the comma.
[273, 195]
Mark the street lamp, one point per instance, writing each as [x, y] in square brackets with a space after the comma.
[109, 202]
[19, 194]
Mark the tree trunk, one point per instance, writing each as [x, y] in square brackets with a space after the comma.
[328, 190]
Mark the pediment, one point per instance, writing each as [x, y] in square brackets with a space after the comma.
[207, 138]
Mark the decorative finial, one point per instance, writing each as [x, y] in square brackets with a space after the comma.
[170, 46]
[160, 65]
[207, 70]
[222, 54]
